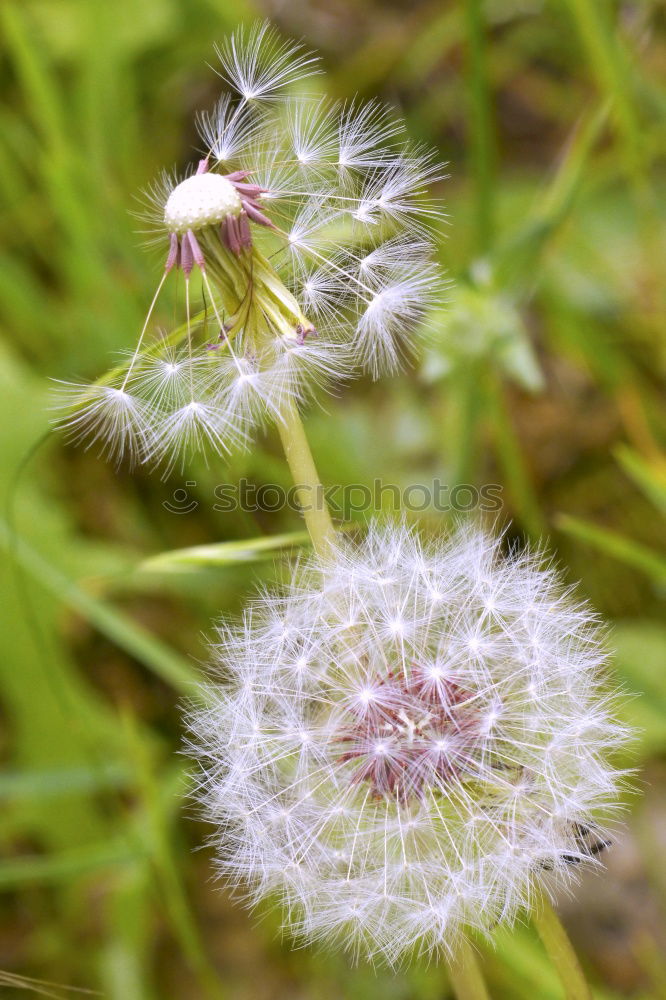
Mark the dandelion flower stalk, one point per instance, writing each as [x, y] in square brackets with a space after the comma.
[560, 951]
[304, 473]
[465, 974]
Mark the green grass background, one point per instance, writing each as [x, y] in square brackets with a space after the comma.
[545, 377]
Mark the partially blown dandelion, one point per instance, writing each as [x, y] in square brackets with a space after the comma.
[303, 241]
[410, 739]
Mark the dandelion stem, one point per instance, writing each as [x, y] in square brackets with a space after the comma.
[304, 473]
[465, 974]
[560, 951]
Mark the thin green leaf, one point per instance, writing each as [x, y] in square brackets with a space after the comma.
[512, 461]
[35, 869]
[612, 68]
[613, 544]
[518, 256]
[650, 479]
[55, 783]
[223, 553]
[481, 132]
[135, 640]
[160, 796]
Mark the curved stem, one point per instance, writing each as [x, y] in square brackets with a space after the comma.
[465, 974]
[560, 951]
[310, 494]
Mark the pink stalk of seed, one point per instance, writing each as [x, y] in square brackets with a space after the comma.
[173, 256]
[186, 256]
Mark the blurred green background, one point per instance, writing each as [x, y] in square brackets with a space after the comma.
[545, 377]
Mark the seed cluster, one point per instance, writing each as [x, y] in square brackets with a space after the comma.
[409, 733]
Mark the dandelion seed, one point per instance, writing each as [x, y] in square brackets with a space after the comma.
[229, 130]
[384, 783]
[363, 135]
[105, 416]
[194, 426]
[257, 63]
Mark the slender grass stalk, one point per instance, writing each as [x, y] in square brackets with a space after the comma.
[512, 461]
[481, 128]
[612, 66]
[560, 951]
[156, 799]
[465, 974]
[519, 256]
[154, 654]
[306, 479]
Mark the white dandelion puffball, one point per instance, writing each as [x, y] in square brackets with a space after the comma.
[408, 741]
[305, 239]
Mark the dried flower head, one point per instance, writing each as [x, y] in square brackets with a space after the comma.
[304, 243]
[409, 740]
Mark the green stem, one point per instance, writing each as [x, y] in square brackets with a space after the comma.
[560, 951]
[304, 473]
[481, 139]
[512, 461]
[465, 974]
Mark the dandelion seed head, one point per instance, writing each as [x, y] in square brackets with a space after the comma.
[418, 800]
[304, 236]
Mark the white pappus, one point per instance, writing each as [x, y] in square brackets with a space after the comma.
[408, 741]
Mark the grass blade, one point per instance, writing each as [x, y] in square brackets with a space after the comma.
[611, 543]
[132, 638]
[223, 553]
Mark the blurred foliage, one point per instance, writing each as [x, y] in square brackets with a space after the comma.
[545, 375]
